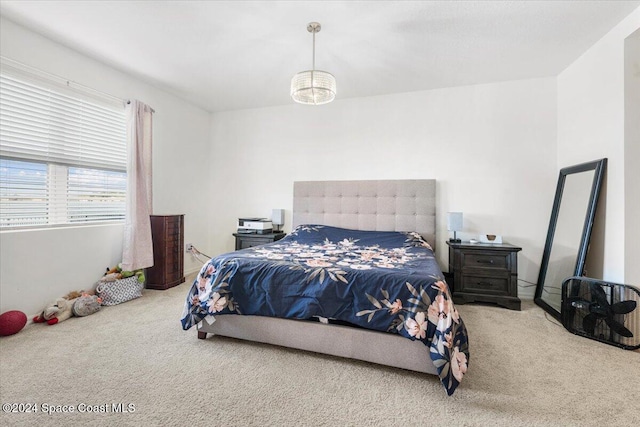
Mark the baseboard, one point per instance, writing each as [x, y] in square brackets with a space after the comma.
[526, 293]
[191, 274]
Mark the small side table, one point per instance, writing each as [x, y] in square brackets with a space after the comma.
[485, 272]
[244, 241]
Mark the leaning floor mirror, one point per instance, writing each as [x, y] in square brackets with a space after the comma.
[572, 215]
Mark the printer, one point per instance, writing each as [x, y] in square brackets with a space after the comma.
[255, 226]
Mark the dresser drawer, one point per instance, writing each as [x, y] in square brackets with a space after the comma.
[172, 241]
[485, 285]
[486, 259]
[173, 228]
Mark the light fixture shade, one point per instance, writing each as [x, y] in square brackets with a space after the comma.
[313, 87]
[454, 221]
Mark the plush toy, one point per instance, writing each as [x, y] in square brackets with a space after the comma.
[73, 295]
[73, 304]
[117, 273]
[111, 277]
[86, 304]
[57, 312]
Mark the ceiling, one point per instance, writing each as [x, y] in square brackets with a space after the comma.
[228, 55]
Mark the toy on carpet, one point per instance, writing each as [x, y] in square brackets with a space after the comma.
[117, 273]
[73, 304]
[12, 322]
[86, 304]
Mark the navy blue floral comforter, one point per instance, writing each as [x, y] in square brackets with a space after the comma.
[386, 281]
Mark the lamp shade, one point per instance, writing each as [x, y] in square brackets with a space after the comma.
[454, 221]
[313, 87]
[277, 216]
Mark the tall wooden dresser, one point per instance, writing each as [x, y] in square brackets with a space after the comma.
[168, 257]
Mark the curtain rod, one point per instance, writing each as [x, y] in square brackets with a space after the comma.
[128, 101]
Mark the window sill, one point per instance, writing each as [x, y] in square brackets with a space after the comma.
[60, 227]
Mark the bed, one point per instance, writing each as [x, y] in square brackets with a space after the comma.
[356, 278]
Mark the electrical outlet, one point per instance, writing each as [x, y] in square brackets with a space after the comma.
[188, 247]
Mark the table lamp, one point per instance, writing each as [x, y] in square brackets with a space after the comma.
[454, 223]
[277, 218]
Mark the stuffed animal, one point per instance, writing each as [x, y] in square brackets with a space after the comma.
[86, 304]
[117, 273]
[73, 295]
[73, 304]
[111, 277]
[57, 312]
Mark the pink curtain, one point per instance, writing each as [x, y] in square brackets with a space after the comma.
[137, 249]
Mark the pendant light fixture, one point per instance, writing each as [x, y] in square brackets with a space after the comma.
[313, 87]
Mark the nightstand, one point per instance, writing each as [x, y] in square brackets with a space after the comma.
[484, 272]
[244, 241]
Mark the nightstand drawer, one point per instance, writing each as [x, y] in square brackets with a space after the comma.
[245, 241]
[485, 285]
[249, 243]
[474, 259]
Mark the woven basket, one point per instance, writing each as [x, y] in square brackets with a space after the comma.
[119, 291]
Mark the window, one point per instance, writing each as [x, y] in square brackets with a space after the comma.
[62, 156]
[23, 193]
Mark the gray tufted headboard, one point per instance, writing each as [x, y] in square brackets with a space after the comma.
[390, 205]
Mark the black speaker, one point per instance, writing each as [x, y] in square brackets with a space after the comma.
[603, 311]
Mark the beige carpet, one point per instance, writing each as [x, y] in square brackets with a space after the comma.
[524, 371]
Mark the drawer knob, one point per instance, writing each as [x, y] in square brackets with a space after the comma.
[485, 261]
[485, 283]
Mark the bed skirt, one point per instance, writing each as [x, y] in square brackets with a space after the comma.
[336, 340]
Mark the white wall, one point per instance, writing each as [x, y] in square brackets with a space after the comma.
[491, 148]
[631, 158]
[591, 125]
[494, 149]
[38, 266]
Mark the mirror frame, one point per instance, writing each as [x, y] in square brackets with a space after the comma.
[599, 166]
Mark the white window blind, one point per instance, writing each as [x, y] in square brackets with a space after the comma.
[44, 125]
[62, 158]
[95, 195]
